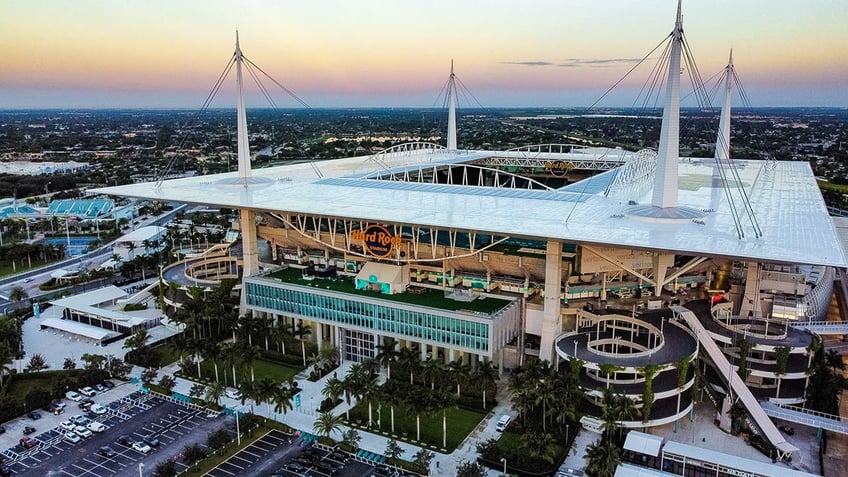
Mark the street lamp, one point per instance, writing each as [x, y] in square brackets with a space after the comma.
[503, 459]
[140, 467]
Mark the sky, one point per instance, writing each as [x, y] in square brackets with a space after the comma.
[390, 53]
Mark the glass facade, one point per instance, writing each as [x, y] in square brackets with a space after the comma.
[386, 318]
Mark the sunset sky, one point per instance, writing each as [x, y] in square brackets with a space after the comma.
[363, 53]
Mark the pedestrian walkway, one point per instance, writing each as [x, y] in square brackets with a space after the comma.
[303, 417]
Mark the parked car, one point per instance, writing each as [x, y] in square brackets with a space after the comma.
[2, 430]
[96, 426]
[28, 442]
[28, 430]
[141, 447]
[80, 420]
[58, 403]
[99, 387]
[126, 441]
[73, 396]
[98, 409]
[294, 467]
[67, 425]
[88, 391]
[34, 415]
[108, 384]
[107, 451]
[71, 437]
[83, 432]
[56, 410]
[151, 441]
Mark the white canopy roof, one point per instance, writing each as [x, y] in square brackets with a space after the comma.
[643, 443]
[784, 196]
[81, 329]
[381, 272]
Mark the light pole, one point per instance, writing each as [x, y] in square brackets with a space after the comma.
[238, 432]
[140, 468]
[503, 459]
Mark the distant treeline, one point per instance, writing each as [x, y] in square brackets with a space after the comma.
[26, 186]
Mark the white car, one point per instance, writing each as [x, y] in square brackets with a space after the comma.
[98, 409]
[71, 437]
[83, 432]
[73, 396]
[141, 447]
[96, 426]
[67, 425]
[88, 391]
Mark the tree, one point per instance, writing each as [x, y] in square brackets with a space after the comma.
[36, 363]
[351, 437]
[69, 363]
[470, 469]
[386, 355]
[602, 458]
[327, 423]
[266, 391]
[166, 468]
[196, 390]
[137, 339]
[423, 457]
[215, 391]
[167, 382]
[393, 451]
[93, 361]
[148, 375]
[282, 399]
[17, 294]
[193, 453]
[333, 389]
[409, 360]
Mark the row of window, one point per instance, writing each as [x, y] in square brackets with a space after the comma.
[378, 317]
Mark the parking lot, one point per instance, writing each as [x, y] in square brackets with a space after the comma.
[134, 416]
[276, 454]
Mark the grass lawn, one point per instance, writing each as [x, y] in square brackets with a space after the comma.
[167, 354]
[824, 185]
[460, 423]
[427, 296]
[19, 388]
[276, 372]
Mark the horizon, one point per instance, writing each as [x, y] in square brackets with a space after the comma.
[377, 54]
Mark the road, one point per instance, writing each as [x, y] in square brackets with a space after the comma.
[30, 280]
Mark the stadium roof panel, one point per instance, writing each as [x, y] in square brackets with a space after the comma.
[788, 206]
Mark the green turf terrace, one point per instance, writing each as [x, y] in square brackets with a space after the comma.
[434, 298]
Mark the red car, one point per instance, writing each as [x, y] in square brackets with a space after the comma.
[28, 442]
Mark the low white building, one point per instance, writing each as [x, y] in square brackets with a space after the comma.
[140, 242]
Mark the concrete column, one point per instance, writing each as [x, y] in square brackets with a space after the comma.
[751, 299]
[319, 335]
[661, 264]
[451, 355]
[551, 319]
[247, 224]
[423, 351]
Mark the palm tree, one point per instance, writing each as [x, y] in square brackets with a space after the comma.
[333, 389]
[265, 392]
[301, 332]
[603, 458]
[280, 333]
[459, 373]
[232, 356]
[408, 358]
[17, 294]
[431, 369]
[386, 354]
[249, 391]
[282, 399]
[215, 391]
[444, 399]
[327, 423]
[485, 377]
[546, 395]
[137, 339]
[249, 354]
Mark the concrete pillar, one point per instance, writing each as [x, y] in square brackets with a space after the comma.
[423, 351]
[247, 224]
[751, 300]
[551, 318]
[319, 335]
[451, 355]
[661, 264]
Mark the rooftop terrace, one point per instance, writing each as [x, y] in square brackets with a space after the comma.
[416, 295]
